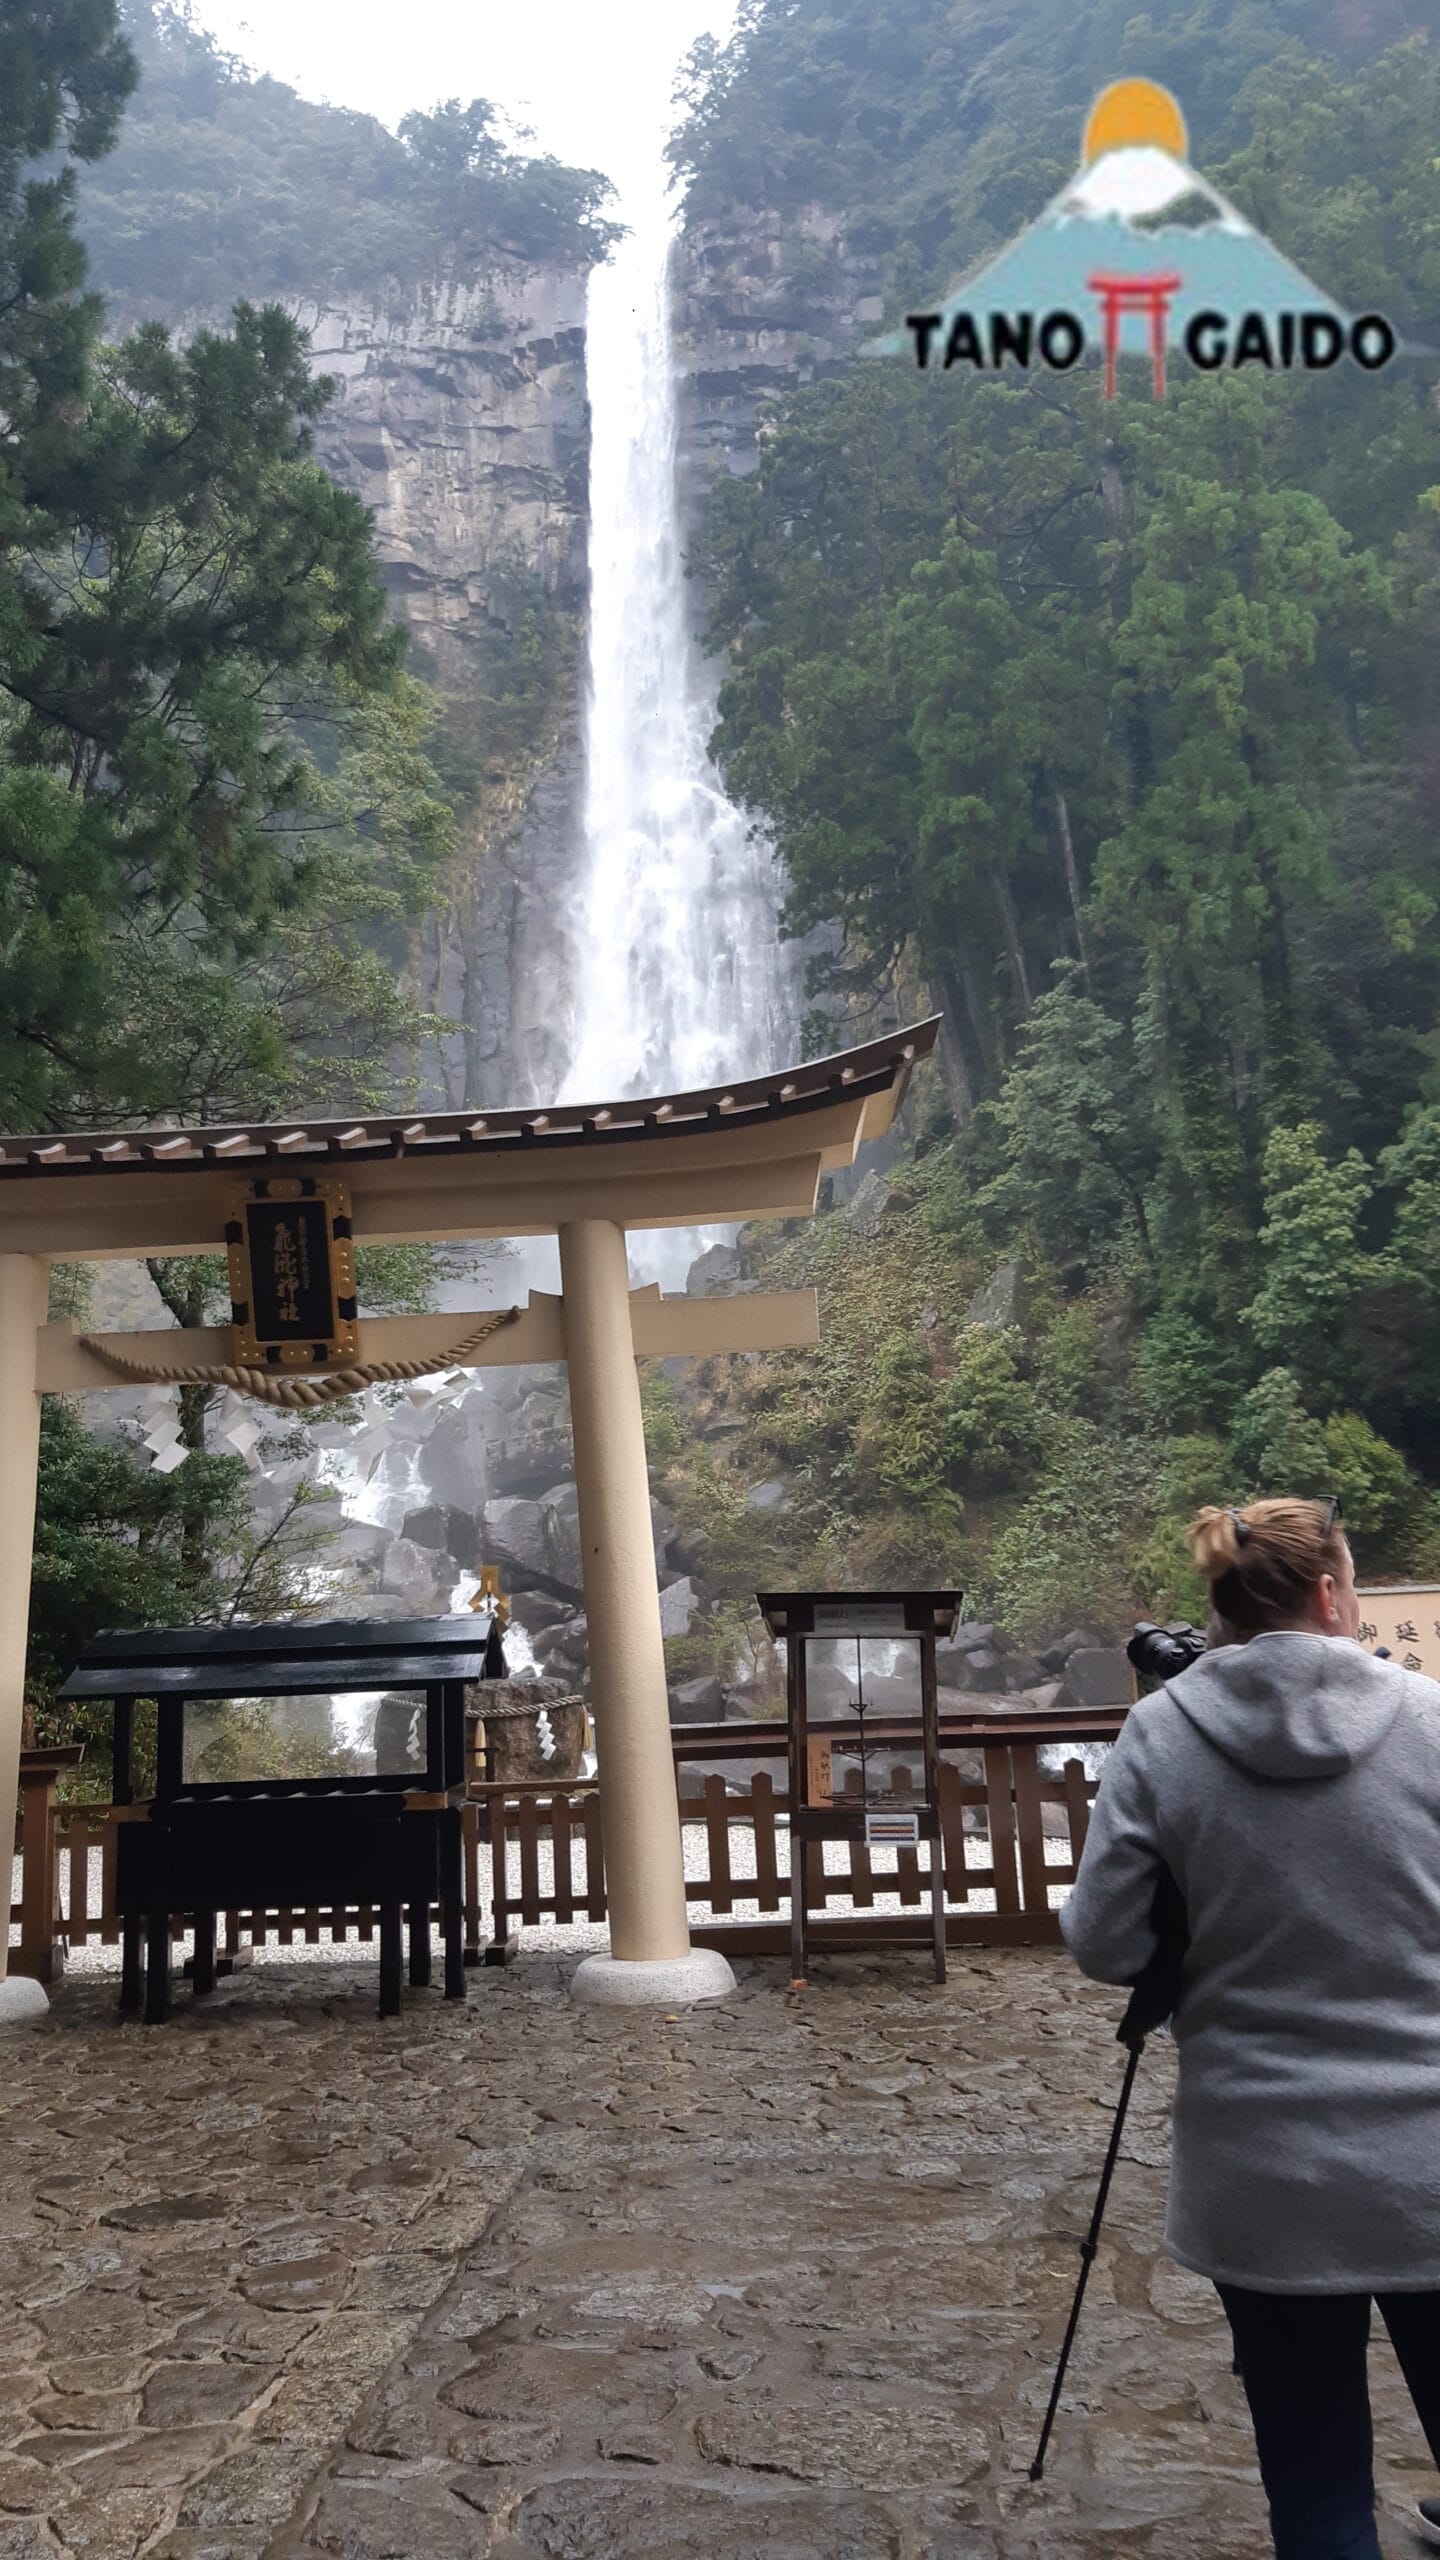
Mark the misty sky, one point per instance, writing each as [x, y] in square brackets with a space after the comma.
[592, 81]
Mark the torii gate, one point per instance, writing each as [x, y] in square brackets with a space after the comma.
[586, 1174]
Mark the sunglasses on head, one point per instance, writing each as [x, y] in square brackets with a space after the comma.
[1333, 1512]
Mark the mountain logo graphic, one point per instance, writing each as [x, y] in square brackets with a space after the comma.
[1140, 255]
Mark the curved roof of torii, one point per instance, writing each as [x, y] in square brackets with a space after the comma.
[751, 1149]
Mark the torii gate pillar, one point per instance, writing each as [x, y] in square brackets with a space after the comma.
[24, 1291]
[651, 1958]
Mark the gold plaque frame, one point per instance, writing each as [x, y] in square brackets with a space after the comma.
[253, 1346]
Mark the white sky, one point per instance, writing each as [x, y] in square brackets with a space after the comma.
[590, 78]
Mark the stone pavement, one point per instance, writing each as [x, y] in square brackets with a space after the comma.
[782, 2278]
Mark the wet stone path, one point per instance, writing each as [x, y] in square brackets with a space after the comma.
[779, 2280]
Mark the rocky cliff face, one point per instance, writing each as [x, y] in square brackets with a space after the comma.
[461, 420]
[764, 300]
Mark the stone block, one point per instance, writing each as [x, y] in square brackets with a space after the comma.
[697, 1701]
[413, 1574]
[1099, 1676]
[981, 1671]
[1001, 1300]
[536, 1543]
[567, 1643]
[868, 1203]
[1055, 1656]
[679, 1605]
[446, 1528]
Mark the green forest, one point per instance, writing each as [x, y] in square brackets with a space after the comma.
[223, 185]
[1110, 729]
[225, 803]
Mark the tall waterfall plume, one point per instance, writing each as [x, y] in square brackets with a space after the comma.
[679, 976]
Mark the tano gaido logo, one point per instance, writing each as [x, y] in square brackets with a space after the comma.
[1140, 255]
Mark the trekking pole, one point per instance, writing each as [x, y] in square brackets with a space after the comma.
[1151, 2002]
[1087, 2254]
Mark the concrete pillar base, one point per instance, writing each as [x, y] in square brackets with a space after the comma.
[659, 1982]
[23, 2002]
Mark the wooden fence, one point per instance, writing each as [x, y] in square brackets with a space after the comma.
[542, 1848]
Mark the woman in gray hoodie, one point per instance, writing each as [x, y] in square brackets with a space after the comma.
[1290, 1783]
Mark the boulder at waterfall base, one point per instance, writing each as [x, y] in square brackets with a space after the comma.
[697, 1702]
[536, 1543]
[529, 1730]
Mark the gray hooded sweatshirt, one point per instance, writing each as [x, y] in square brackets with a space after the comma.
[1292, 1787]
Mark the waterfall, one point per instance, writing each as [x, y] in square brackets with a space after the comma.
[676, 973]
[678, 978]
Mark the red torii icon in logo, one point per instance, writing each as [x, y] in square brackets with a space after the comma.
[1150, 295]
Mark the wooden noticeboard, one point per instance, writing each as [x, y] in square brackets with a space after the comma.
[1404, 1617]
[817, 1812]
[292, 1272]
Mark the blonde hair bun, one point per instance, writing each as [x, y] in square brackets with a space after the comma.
[1213, 1539]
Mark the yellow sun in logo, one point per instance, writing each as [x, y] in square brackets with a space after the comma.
[1130, 114]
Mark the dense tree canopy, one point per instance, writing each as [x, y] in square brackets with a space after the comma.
[1110, 725]
[227, 186]
[218, 816]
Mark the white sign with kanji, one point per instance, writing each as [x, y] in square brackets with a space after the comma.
[1404, 1619]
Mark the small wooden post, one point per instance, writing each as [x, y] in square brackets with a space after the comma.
[40, 1953]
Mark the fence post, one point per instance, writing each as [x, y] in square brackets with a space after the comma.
[39, 1953]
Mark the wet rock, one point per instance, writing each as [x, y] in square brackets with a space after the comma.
[298, 2284]
[586, 2519]
[251, 2488]
[1099, 1676]
[696, 1701]
[1023, 1671]
[412, 1574]
[186, 2394]
[164, 2213]
[1001, 1300]
[564, 1639]
[537, 1543]
[1055, 1656]
[715, 1272]
[769, 1496]
[679, 1604]
[981, 1671]
[1043, 1700]
[868, 1203]
[536, 1611]
[454, 1455]
[357, 1542]
[402, 2513]
[904, 2444]
[751, 1700]
[952, 1652]
[534, 1450]
[446, 1528]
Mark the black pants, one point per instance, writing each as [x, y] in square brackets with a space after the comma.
[1302, 2361]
